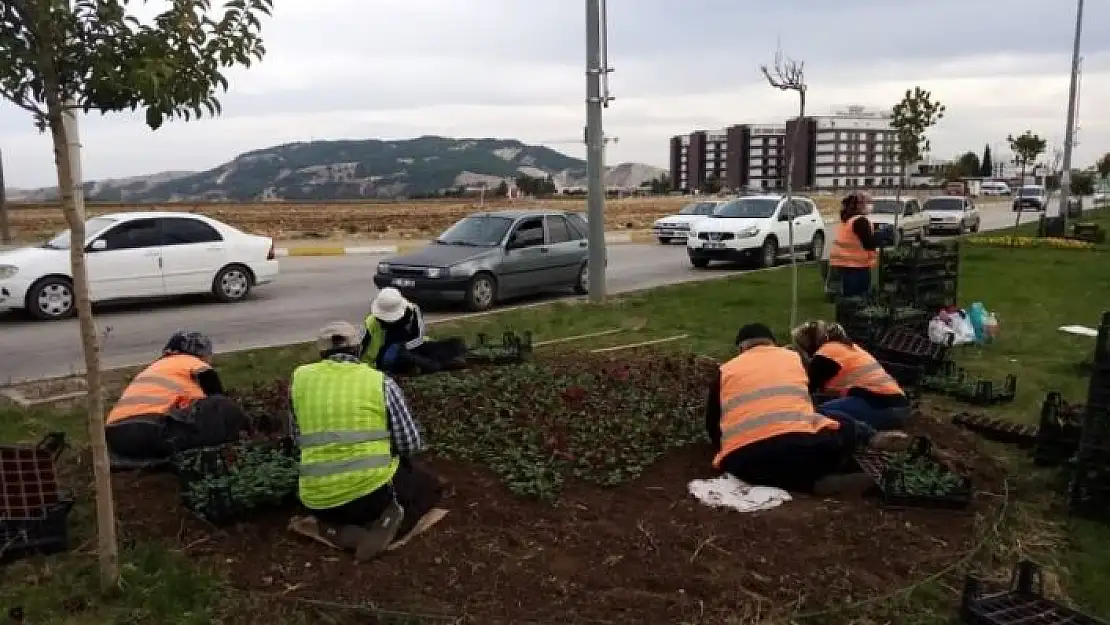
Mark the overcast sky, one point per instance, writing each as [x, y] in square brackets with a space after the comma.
[515, 69]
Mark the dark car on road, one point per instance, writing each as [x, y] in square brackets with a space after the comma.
[487, 257]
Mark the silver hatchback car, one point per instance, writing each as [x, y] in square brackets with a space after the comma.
[488, 257]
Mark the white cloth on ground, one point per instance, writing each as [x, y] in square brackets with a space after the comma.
[726, 491]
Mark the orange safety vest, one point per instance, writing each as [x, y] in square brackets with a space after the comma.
[168, 383]
[765, 393]
[847, 250]
[858, 369]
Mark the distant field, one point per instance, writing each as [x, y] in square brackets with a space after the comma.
[374, 220]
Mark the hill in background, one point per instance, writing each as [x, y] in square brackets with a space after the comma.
[371, 168]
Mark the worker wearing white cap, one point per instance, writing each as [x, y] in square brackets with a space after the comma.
[396, 338]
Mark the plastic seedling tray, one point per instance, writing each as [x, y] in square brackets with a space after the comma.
[1023, 604]
[49, 534]
[916, 479]
[906, 347]
[986, 392]
[29, 480]
[996, 430]
[513, 348]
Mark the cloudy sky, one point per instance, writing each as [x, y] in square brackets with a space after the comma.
[515, 68]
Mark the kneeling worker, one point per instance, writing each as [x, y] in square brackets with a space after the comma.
[396, 338]
[767, 432]
[356, 434]
[176, 403]
[837, 365]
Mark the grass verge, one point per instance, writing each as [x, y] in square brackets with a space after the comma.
[1033, 291]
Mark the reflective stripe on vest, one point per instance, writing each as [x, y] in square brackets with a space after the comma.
[168, 383]
[765, 393]
[343, 425]
[858, 369]
[847, 250]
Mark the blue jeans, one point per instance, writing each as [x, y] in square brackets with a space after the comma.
[855, 281]
[859, 410]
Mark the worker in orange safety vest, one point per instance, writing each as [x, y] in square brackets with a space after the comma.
[176, 403]
[853, 252]
[866, 391]
[766, 430]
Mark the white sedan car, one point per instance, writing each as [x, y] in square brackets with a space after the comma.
[133, 256]
[676, 227]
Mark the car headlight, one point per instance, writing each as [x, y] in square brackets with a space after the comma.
[748, 232]
[383, 267]
[433, 272]
[8, 271]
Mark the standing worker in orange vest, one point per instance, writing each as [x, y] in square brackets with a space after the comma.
[176, 403]
[853, 252]
[767, 432]
[837, 365]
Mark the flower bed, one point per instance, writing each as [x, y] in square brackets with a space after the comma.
[1031, 242]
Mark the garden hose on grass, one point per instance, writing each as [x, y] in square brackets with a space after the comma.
[974, 551]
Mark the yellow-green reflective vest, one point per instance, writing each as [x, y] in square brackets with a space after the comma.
[377, 340]
[343, 432]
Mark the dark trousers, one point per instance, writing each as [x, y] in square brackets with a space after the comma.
[414, 488]
[854, 281]
[428, 357]
[207, 422]
[795, 462]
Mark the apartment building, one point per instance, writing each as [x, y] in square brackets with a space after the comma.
[847, 149]
[738, 157]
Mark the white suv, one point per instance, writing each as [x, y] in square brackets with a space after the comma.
[757, 228]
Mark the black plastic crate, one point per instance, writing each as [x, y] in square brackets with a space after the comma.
[1023, 604]
[906, 347]
[907, 376]
[899, 487]
[29, 479]
[1059, 431]
[997, 430]
[513, 348]
[226, 484]
[1089, 486]
[46, 535]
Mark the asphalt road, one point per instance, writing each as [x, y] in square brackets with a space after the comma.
[309, 293]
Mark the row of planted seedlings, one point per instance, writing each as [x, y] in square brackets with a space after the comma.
[229, 483]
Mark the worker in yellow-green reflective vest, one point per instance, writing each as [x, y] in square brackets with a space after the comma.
[356, 434]
[396, 339]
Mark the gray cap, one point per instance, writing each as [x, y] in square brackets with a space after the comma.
[338, 335]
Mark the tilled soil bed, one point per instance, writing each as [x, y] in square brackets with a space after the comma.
[569, 503]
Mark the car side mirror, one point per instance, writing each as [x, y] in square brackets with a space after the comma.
[98, 245]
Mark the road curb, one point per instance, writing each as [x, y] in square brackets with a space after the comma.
[612, 238]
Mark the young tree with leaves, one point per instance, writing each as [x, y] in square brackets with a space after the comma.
[968, 166]
[1026, 149]
[911, 118]
[70, 56]
[986, 165]
[1103, 165]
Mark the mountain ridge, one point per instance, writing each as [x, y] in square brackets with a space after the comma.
[357, 169]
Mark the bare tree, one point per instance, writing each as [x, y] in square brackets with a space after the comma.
[786, 74]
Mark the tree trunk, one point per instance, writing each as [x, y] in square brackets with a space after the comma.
[1017, 213]
[72, 207]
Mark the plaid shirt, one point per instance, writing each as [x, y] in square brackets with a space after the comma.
[404, 432]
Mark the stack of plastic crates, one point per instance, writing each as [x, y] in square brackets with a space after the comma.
[921, 275]
[866, 320]
[33, 508]
[1024, 603]
[1090, 479]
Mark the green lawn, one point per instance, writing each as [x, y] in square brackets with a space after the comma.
[1032, 291]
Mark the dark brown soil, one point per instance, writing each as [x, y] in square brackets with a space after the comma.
[644, 552]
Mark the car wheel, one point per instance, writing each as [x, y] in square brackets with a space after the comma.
[233, 283]
[51, 299]
[817, 246]
[699, 262]
[769, 253]
[664, 241]
[481, 293]
[582, 282]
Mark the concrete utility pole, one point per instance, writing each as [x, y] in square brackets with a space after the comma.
[596, 70]
[1069, 132]
[5, 228]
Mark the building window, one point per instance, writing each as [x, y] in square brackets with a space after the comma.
[843, 147]
[835, 183]
[841, 169]
[843, 136]
[868, 182]
[862, 147]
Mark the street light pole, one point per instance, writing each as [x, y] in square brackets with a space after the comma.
[595, 151]
[1069, 132]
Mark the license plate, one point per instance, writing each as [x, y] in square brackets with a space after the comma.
[666, 233]
[714, 245]
[404, 283]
